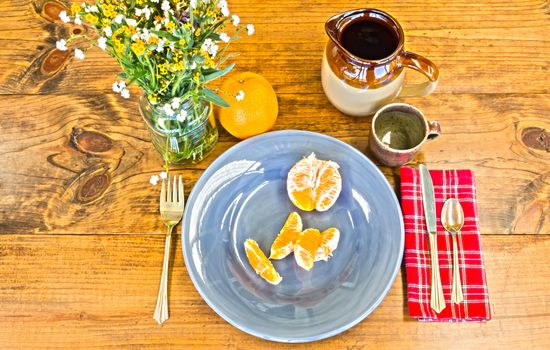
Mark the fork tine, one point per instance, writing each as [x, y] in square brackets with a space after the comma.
[169, 196]
[180, 192]
[163, 192]
[175, 191]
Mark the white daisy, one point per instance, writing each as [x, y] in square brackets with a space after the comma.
[225, 11]
[132, 22]
[108, 31]
[175, 103]
[165, 5]
[154, 180]
[63, 16]
[163, 175]
[118, 19]
[61, 45]
[118, 86]
[181, 116]
[77, 19]
[168, 110]
[102, 43]
[125, 93]
[224, 37]
[250, 29]
[236, 20]
[160, 45]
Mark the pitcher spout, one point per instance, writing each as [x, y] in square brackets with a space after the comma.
[332, 28]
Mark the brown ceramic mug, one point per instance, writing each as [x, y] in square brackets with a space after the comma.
[364, 60]
[398, 131]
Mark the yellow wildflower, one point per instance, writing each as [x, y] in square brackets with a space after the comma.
[153, 98]
[89, 17]
[209, 62]
[120, 48]
[109, 11]
[187, 26]
[126, 30]
[197, 32]
[204, 54]
[153, 40]
[196, 77]
[170, 26]
[179, 65]
[75, 8]
[138, 47]
[162, 69]
[182, 42]
[140, 2]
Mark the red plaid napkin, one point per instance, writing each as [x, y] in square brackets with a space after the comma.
[447, 183]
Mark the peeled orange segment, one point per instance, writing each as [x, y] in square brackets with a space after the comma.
[260, 263]
[304, 250]
[300, 183]
[329, 243]
[329, 185]
[284, 243]
[314, 184]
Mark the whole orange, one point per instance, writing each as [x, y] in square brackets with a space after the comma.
[254, 113]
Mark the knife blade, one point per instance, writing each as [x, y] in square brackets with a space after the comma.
[437, 299]
[428, 197]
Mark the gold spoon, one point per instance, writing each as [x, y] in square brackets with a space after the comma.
[452, 219]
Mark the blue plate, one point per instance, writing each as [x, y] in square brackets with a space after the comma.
[243, 195]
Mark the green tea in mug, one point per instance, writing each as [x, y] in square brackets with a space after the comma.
[399, 130]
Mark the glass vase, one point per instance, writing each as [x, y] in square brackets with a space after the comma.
[185, 141]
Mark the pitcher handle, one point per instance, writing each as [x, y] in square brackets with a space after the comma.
[423, 65]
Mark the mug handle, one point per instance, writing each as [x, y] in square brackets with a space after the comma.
[423, 65]
[434, 130]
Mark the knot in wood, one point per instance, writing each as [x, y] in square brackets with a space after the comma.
[93, 188]
[536, 138]
[91, 141]
[54, 60]
[51, 9]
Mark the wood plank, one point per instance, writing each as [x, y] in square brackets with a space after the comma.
[92, 291]
[484, 47]
[42, 174]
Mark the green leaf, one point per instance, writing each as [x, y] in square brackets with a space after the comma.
[122, 75]
[219, 73]
[165, 35]
[211, 96]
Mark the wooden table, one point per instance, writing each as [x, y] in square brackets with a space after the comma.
[81, 242]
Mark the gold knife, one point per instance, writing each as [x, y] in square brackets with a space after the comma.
[437, 300]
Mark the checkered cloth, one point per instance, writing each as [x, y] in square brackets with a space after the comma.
[447, 184]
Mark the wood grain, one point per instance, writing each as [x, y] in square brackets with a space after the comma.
[90, 291]
[487, 47]
[483, 132]
[75, 160]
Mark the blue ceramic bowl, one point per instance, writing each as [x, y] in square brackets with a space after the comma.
[243, 195]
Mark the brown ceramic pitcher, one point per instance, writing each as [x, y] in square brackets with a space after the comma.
[359, 86]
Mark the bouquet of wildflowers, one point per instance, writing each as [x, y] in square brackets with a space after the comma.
[170, 48]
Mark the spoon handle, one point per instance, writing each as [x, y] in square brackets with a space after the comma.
[456, 291]
[437, 299]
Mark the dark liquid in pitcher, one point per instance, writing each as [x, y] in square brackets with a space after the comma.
[369, 40]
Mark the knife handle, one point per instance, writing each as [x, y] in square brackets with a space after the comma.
[437, 299]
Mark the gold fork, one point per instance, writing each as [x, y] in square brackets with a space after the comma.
[172, 203]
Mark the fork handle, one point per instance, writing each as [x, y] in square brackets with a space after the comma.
[161, 310]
